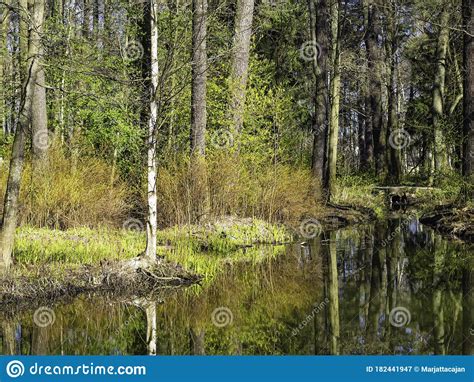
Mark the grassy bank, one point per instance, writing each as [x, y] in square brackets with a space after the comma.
[201, 249]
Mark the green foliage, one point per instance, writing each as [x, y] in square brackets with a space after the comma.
[357, 190]
[204, 249]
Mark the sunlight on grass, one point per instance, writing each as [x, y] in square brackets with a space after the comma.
[203, 249]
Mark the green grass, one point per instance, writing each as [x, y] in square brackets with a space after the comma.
[76, 246]
[357, 190]
[203, 249]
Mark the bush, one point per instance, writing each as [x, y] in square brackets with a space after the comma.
[59, 194]
[234, 186]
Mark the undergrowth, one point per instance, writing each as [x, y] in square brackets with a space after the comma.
[200, 249]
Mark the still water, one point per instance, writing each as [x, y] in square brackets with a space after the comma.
[394, 287]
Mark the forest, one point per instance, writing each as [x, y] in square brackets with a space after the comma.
[171, 149]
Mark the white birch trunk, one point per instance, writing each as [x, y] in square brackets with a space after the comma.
[151, 224]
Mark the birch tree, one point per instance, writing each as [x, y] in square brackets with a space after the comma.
[151, 224]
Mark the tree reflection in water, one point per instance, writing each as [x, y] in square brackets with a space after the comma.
[278, 304]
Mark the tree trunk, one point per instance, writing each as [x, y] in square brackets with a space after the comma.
[151, 328]
[151, 224]
[199, 109]
[319, 14]
[240, 61]
[39, 117]
[361, 128]
[197, 341]
[468, 98]
[440, 153]
[394, 167]
[375, 84]
[335, 98]
[333, 297]
[23, 36]
[3, 54]
[10, 209]
[199, 78]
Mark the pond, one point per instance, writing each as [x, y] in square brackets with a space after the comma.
[393, 287]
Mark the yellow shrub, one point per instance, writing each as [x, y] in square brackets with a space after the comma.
[233, 187]
[61, 195]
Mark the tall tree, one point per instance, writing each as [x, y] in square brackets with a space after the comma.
[10, 209]
[4, 15]
[240, 61]
[199, 107]
[391, 46]
[335, 94]
[39, 117]
[151, 224]
[372, 34]
[440, 151]
[468, 88]
[199, 78]
[319, 14]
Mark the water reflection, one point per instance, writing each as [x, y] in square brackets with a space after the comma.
[391, 288]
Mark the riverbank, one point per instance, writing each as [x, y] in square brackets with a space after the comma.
[455, 222]
[52, 264]
[57, 264]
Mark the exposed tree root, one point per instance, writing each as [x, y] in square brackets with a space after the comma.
[134, 277]
[455, 222]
